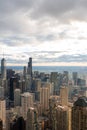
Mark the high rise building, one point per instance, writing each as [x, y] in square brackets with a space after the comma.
[44, 98]
[28, 82]
[75, 77]
[13, 86]
[54, 79]
[18, 123]
[24, 72]
[26, 102]
[65, 78]
[36, 84]
[1, 92]
[23, 89]
[31, 123]
[1, 125]
[48, 85]
[62, 118]
[17, 97]
[22, 84]
[3, 112]
[5, 87]
[64, 96]
[79, 114]
[29, 69]
[10, 73]
[3, 68]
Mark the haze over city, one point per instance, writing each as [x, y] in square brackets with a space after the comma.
[51, 32]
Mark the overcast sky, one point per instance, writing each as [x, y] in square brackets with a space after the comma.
[52, 32]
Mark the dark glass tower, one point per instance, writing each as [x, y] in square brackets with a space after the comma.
[29, 70]
[3, 68]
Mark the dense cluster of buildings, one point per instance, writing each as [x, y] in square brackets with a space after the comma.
[35, 100]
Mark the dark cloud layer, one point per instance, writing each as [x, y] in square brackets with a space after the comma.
[62, 10]
[13, 13]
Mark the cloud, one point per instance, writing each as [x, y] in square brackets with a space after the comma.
[20, 16]
[48, 30]
[64, 10]
[44, 57]
[64, 58]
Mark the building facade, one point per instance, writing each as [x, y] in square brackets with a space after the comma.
[79, 114]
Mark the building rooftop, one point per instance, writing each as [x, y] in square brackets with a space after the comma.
[81, 102]
[26, 94]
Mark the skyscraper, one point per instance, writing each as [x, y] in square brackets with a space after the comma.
[13, 86]
[75, 77]
[1, 92]
[18, 123]
[79, 114]
[26, 102]
[31, 123]
[62, 118]
[3, 68]
[24, 72]
[64, 96]
[29, 69]
[1, 125]
[3, 112]
[44, 98]
[17, 97]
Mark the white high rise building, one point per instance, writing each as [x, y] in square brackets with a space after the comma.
[26, 102]
[3, 68]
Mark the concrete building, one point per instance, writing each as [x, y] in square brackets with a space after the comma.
[75, 77]
[36, 85]
[27, 101]
[65, 78]
[48, 85]
[1, 92]
[79, 114]
[5, 87]
[1, 125]
[28, 82]
[18, 123]
[44, 98]
[64, 96]
[24, 71]
[17, 97]
[54, 79]
[62, 118]
[3, 112]
[31, 123]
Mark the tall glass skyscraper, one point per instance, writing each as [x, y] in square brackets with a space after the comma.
[29, 70]
[3, 68]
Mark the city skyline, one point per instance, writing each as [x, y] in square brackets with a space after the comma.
[52, 33]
